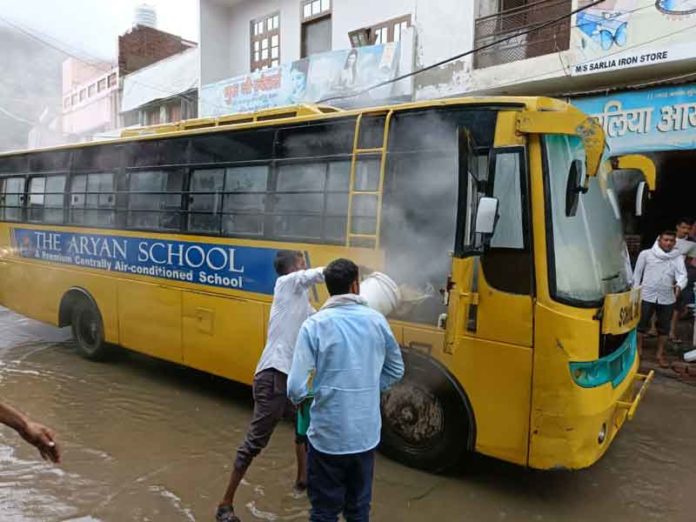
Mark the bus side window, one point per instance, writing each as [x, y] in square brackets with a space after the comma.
[54, 202]
[154, 200]
[507, 187]
[205, 200]
[245, 200]
[46, 198]
[37, 188]
[92, 199]
[11, 193]
[298, 202]
[310, 201]
[507, 264]
[336, 206]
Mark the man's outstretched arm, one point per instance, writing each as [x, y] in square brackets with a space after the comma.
[34, 433]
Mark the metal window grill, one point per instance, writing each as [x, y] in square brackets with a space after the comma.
[512, 24]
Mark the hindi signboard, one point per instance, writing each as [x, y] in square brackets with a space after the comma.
[644, 121]
[310, 80]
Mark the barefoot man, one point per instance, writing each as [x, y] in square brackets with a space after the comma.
[289, 310]
[661, 274]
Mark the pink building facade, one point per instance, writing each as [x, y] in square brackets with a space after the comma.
[90, 99]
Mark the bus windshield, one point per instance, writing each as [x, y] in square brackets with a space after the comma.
[587, 254]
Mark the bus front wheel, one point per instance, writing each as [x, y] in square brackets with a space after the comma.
[88, 330]
[425, 420]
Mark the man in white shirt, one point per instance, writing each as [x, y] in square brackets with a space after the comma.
[661, 273]
[289, 310]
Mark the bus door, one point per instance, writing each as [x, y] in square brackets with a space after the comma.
[490, 309]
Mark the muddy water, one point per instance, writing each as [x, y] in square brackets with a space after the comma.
[145, 440]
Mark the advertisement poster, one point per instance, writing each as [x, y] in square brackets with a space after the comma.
[618, 34]
[641, 121]
[310, 80]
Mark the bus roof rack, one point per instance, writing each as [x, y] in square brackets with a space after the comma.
[276, 113]
[152, 129]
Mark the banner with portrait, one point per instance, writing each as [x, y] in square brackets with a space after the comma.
[322, 76]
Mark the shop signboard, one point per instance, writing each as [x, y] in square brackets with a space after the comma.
[321, 76]
[620, 34]
[648, 120]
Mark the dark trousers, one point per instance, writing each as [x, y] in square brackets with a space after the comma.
[687, 295]
[271, 404]
[340, 484]
[663, 313]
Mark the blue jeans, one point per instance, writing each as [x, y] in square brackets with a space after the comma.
[340, 484]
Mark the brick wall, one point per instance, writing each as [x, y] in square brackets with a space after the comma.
[143, 46]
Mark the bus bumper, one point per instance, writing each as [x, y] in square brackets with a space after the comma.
[632, 405]
[578, 441]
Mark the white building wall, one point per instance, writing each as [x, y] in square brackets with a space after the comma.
[215, 41]
[442, 28]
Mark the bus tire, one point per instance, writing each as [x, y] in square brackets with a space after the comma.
[427, 422]
[88, 330]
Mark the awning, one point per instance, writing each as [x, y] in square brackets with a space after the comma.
[164, 79]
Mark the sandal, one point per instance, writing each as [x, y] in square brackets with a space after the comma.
[663, 363]
[675, 340]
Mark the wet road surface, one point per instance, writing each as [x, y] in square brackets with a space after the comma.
[146, 440]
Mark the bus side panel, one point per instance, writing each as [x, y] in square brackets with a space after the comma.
[36, 290]
[499, 394]
[223, 336]
[150, 319]
[495, 375]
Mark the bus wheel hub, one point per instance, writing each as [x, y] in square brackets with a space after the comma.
[413, 413]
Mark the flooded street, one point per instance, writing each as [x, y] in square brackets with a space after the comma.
[146, 440]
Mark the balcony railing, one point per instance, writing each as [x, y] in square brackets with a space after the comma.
[514, 24]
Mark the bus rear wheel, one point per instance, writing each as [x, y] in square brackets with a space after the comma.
[425, 423]
[88, 331]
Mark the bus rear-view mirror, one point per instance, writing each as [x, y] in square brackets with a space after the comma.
[642, 193]
[577, 184]
[486, 215]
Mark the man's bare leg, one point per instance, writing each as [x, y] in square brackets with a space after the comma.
[235, 479]
[673, 325]
[301, 477]
[661, 341]
[640, 344]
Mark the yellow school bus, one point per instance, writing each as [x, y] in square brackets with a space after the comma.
[493, 215]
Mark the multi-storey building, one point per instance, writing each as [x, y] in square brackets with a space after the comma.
[627, 62]
[92, 91]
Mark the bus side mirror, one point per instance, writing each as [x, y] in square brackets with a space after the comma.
[641, 197]
[486, 215]
[577, 184]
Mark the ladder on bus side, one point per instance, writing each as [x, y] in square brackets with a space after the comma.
[367, 170]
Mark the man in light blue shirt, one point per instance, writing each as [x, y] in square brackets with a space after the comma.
[344, 356]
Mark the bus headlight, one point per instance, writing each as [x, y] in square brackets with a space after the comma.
[602, 433]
